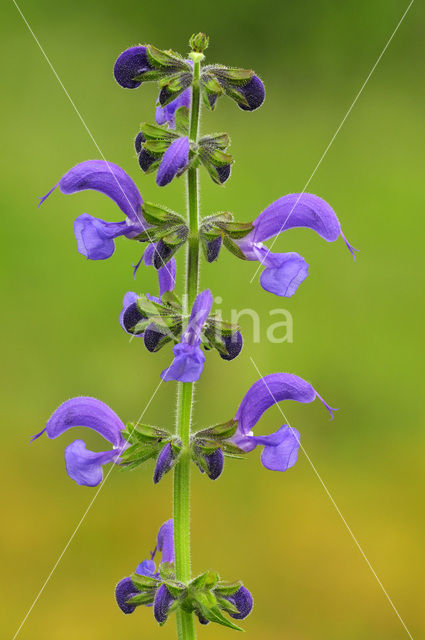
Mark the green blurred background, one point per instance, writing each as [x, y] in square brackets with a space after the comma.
[358, 327]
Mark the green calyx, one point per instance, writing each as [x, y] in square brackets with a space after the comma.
[145, 442]
[222, 225]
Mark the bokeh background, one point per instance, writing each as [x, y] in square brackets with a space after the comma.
[358, 327]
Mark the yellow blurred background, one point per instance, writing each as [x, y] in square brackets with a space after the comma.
[358, 327]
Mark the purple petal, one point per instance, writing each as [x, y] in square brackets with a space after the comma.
[213, 248]
[109, 179]
[175, 159]
[254, 93]
[224, 173]
[138, 141]
[167, 113]
[164, 463]
[146, 568]
[266, 392]
[165, 541]
[129, 313]
[125, 590]
[167, 277]
[233, 344]
[200, 312]
[296, 210]
[283, 456]
[284, 272]
[243, 601]
[215, 464]
[187, 365]
[162, 604]
[86, 412]
[85, 466]
[95, 237]
[131, 63]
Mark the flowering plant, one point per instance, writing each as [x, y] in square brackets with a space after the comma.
[171, 147]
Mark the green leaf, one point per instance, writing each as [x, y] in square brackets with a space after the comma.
[211, 170]
[233, 248]
[211, 84]
[167, 59]
[221, 431]
[139, 453]
[169, 298]
[144, 582]
[167, 570]
[142, 598]
[228, 588]
[236, 95]
[226, 605]
[160, 215]
[140, 327]
[236, 230]
[233, 75]
[176, 589]
[206, 580]
[209, 609]
[156, 132]
[146, 432]
[156, 147]
[214, 342]
[220, 159]
[154, 75]
[223, 327]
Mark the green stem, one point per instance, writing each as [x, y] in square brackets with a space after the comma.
[185, 621]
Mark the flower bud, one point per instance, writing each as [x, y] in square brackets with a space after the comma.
[243, 601]
[199, 42]
[162, 604]
[165, 461]
[131, 316]
[215, 464]
[212, 248]
[233, 344]
[125, 590]
[131, 63]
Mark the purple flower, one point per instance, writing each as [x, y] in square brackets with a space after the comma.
[95, 237]
[284, 272]
[280, 448]
[174, 161]
[243, 602]
[82, 465]
[132, 62]
[125, 589]
[130, 313]
[164, 463]
[162, 604]
[233, 344]
[166, 114]
[215, 463]
[165, 541]
[188, 358]
[254, 93]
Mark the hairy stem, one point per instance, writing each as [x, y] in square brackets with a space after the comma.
[185, 621]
